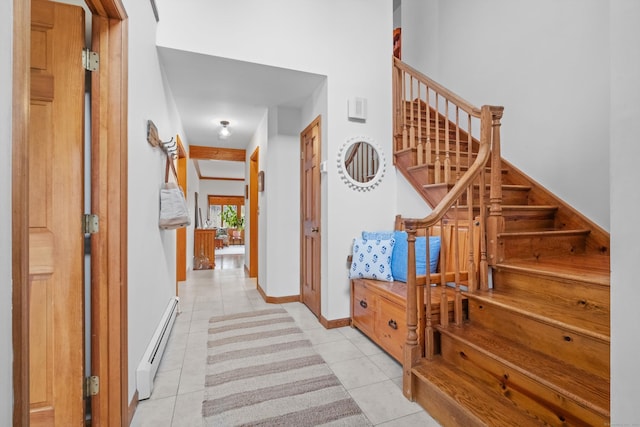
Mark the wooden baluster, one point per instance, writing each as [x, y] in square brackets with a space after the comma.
[470, 200]
[447, 159]
[471, 265]
[394, 106]
[420, 154]
[420, 304]
[412, 352]
[457, 143]
[427, 149]
[412, 129]
[495, 223]
[470, 157]
[437, 165]
[428, 340]
[457, 302]
[445, 241]
[405, 135]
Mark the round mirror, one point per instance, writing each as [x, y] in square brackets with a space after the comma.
[361, 163]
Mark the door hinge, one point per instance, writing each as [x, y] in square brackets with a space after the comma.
[91, 386]
[90, 223]
[90, 60]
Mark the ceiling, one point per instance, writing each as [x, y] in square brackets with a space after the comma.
[208, 89]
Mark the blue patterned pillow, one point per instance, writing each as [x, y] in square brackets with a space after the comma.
[372, 259]
[400, 254]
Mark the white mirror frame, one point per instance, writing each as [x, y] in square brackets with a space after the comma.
[344, 174]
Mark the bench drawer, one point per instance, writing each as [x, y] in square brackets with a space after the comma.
[391, 327]
[363, 307]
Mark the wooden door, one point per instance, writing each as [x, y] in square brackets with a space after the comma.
[310, 213]
[254, 166]
[55, 153]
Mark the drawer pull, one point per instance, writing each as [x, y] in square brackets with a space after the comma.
[363, 303]
[393, 324]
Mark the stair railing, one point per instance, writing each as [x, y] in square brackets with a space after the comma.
[434, 123]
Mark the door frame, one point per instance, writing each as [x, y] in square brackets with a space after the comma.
[181, 233]
[254, 166]
[109, 202]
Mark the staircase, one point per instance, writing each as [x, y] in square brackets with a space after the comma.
[534, 346]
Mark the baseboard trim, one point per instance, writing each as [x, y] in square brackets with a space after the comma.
[133, 405]
[277, 300]
[336, 323]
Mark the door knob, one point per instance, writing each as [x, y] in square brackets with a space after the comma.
[314, 229]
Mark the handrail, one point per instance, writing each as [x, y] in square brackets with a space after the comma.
[458, 100]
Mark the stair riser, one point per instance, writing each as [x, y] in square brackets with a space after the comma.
[509, 197]
[431, 127]
[541, 246]
[585, 297]
[528, 224]
[529, 395]
[441, 407]
[442, 147]
[584, 352]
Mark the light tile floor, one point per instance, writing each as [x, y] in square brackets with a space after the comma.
[373, 378]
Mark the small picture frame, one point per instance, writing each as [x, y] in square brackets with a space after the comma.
[261, 181]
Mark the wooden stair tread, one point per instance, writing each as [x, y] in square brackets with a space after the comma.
[587, 389]
[543, 233]
[585, 323]
[484, 405]
[588, 268]
[512, 187]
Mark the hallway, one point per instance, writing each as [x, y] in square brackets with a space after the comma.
[372, 378]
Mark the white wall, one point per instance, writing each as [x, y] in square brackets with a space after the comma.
[151, 274]
[547, 63]
[6, 345]
[258, 140]
[625, 200]
[210, 187]
[282, 183]
[327, 45]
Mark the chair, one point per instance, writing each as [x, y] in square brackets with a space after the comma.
[237, 237]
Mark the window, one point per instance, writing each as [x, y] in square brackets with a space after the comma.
[224, 209]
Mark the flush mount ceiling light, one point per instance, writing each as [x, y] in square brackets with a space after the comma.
[224, 132]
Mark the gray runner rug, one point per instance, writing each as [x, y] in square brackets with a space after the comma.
[263, 371]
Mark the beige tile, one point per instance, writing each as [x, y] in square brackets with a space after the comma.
[188, 410]
[154, 413]
[356, 373]
[337, 351]
[366, 346]
[350, 332]
[322, 335]
[387, 364]
[383, 402]
[419, 419]
[166, 383]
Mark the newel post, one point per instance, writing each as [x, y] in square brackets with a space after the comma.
[412, 351]
[495, 222]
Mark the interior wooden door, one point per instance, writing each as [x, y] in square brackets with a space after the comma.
[310, 213]
[254, 166]
[55, 153]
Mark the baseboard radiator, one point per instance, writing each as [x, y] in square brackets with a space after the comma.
[148, 366]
